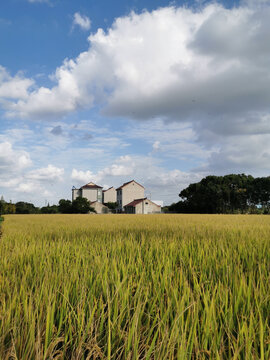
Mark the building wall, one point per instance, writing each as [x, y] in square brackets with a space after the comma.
[109, 195]
[90, 194]
[100, 208]
[76, 193]
[147, 207]
[131, 192]
[119, 198]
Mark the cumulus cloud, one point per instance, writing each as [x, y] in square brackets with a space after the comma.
[242, 154]
[159, 182]
[12, 160]
[174, 63]
[124, 166]
[82, 21]
[82, 176]
[205, 67]
[48, 174]
[13, 87]
[18, 182]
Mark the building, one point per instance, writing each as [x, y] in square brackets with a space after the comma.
[99, 207]
[129, 197]
[90, 191]
[127, 193]
[109, 195]
[142, 206]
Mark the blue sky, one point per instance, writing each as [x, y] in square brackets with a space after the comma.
[161, 92]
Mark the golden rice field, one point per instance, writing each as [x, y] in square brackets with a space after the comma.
[135, 287]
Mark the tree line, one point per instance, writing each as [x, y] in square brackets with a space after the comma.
[77, 206]
[234, 193]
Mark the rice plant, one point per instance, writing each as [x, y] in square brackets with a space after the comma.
[135, 287]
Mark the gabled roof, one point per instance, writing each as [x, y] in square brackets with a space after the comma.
[135, 202]
[138, 201]
[91, 185]
[97, 202]
[108, 189]
[129, 182]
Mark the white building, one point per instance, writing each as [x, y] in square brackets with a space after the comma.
[128, 192]
[142, 206]
[109, 195]
[90, 191]
[130, 198]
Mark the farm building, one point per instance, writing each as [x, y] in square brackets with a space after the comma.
[90, 191]
[142, 206]
[129, 197]
[99, 207]
[128, 192]
[109, 195]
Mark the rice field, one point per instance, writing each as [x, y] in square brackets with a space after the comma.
[135, 287]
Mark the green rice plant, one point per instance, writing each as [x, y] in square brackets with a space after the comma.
[135, 287]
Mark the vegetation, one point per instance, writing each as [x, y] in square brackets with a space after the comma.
[6, 208]
[135, 287]
[25, 208]
[112, 205]
[78, 206]
[225, 194]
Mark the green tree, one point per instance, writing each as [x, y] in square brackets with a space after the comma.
[224, 194]
[65, 206]
[53, 209]
[81, 206]
[111, 205]
[25, 208]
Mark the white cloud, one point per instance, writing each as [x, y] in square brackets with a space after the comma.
[173, 63]
[123, 166]
[240, 154]
[82, 21]
[17, 180]
[49, 174]
[205, 69]
[159, 182]
[12, 160]
[39, 1]
[82, 176]
[156, 145]
[13, 87]
[28, 187]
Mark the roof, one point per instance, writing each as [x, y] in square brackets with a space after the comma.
[91, 185]
[98, 203]
[138, 201]
[135, 202]
[108, 189]
[129, 182]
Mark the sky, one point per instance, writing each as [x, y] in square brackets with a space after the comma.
[162, 92]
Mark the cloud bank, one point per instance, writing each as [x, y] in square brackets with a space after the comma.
[207, 68]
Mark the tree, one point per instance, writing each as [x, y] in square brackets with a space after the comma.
[25, 208]
[225, 194]
[81, 206]
[65, 206]
[111, 205]
[7, 208]
[49, 209]
[78, 206]
[2, 203]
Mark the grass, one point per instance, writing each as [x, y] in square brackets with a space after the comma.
[135, 287]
